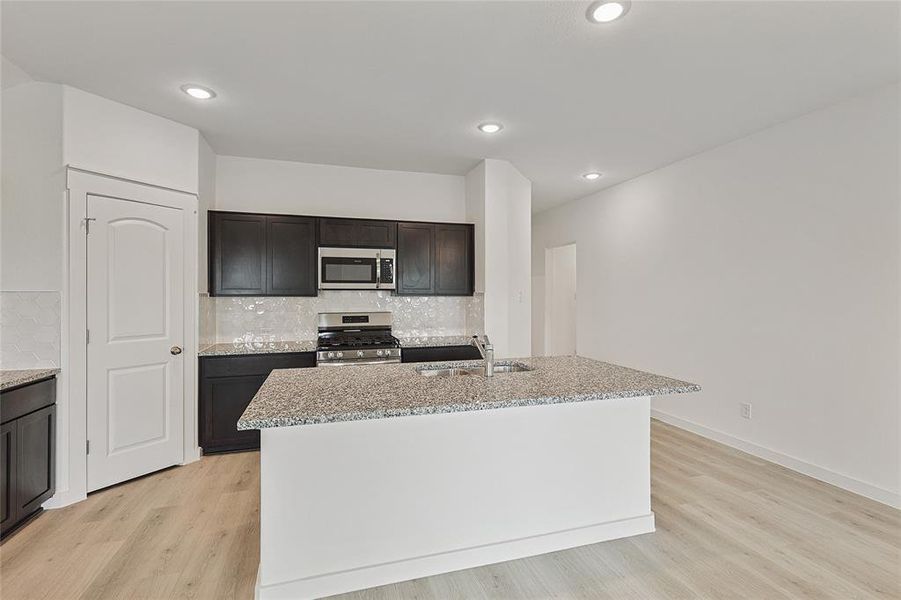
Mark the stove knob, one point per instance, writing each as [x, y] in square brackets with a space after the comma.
[360, 353]
[380, 353]
[331, 355]
[340, 355]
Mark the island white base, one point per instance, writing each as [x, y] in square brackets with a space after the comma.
[352, 505]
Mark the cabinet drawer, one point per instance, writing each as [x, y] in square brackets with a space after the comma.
[255, 364]
[28, 398]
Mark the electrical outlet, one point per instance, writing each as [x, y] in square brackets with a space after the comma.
[745, 410]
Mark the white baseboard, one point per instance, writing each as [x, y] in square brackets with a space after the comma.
[192, 456]
[66, 497]
[850, 484]
[63, 498]
[445, 562]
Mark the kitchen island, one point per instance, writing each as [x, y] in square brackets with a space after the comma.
[376, 474]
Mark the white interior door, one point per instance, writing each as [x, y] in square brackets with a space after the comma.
[135, 319]
[560, 300]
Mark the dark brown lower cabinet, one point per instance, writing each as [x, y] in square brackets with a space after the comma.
[439, 354]
[27, 452]
[8, 483]
[227, 385]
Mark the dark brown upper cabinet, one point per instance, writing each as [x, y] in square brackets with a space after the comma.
[291, 243]
[435, 259]
[237, 254]
[357, 233]
[277, 255]
[262, 255]
[416, 259]
[454, 259]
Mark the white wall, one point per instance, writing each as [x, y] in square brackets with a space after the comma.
[519, 263]
[33, 187]
[45, 127]
[259, 185]
[499, 202]
[475, 213]
[11, 74]
[767, 271]
[206, 198]
[114, 139]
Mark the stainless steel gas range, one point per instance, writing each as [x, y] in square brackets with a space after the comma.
[356, 338]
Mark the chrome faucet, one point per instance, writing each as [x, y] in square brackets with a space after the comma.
[487, 352]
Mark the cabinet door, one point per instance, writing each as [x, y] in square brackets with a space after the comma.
[222, 402]
[357, 233]
[237, 254]
[291, 247]
[36, 458]
[454, 261]
[415, 259]
[8, 513]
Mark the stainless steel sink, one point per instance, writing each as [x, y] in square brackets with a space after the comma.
[474, 371]
[511, 368]
[451, 371]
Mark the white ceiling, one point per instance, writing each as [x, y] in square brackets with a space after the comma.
[401, 85]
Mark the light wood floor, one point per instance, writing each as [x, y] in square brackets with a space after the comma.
[728, 526]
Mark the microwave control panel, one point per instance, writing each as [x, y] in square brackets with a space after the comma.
[387, 268]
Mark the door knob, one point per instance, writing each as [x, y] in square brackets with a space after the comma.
[175, 350]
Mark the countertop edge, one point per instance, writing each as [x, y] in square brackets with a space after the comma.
[306, 346]
[229, 349]
[463, 407]
[29, 376]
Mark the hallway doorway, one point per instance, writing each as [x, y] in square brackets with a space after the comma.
[560, 301]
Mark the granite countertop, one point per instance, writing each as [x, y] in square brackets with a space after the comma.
[14, 377]
[434, 341]
[330, 394]
[248, 348]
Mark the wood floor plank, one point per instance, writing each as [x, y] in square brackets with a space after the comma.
[729, 525]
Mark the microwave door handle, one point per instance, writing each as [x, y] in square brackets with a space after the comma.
[378, 270]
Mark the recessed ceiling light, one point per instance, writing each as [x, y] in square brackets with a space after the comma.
[198, 91]
[490, 127]
[591, 176]
[605, 11]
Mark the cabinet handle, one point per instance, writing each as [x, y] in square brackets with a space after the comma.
[175, 350]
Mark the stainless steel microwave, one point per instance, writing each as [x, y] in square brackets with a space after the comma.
[356, 269]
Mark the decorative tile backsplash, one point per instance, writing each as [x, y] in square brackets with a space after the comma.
[293, 319]
[207, 308]
[30, 321]
[29, 330]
